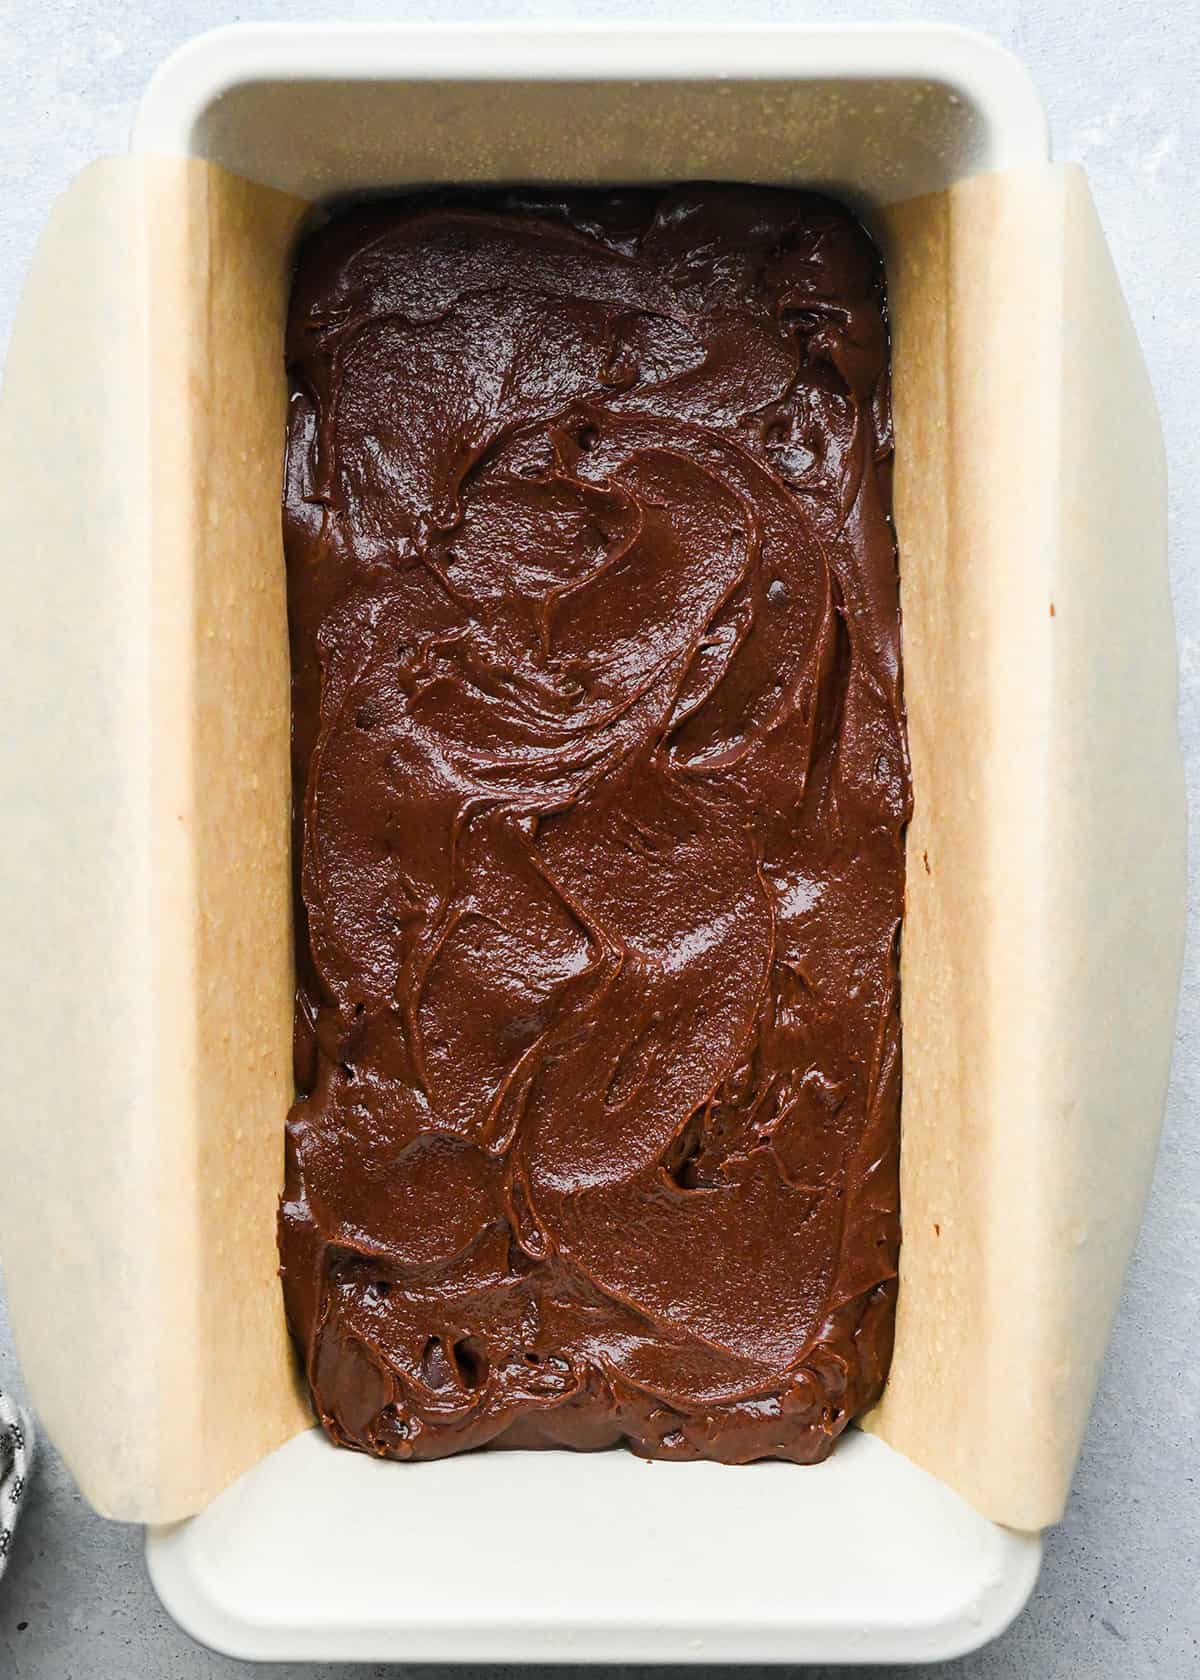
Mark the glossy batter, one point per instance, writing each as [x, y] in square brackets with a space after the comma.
[601, 782]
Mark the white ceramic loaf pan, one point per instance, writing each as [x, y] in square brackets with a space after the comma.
[1045, 857]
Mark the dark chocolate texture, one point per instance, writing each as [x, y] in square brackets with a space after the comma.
[601, 783]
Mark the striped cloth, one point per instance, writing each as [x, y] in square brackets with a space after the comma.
[16, 1462]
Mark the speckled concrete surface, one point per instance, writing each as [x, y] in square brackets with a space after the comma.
[1120, 1592]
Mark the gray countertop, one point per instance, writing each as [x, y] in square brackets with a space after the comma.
[1120, 1591]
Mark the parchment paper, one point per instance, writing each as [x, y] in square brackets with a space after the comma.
[147, 896]
[146, 899]
[1046, 867]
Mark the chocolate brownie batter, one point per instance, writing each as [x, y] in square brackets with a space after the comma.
[601, 782]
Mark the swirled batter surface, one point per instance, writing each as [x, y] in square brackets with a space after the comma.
[601, 783]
